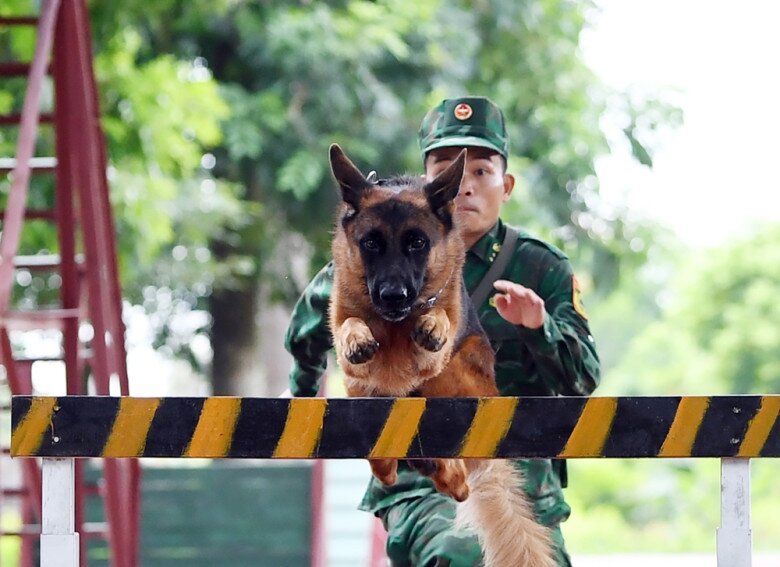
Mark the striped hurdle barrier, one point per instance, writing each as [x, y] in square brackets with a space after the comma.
[734, 429]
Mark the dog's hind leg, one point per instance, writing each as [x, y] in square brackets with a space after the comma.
[385, 470]
[450, 478]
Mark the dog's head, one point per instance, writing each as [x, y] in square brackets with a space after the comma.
[399, 234]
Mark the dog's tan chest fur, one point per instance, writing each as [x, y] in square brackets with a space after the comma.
[399, 366]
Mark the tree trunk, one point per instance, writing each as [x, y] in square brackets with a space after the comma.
[233, 338]
[247, 337]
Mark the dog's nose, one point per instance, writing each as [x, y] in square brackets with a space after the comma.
[393, 294]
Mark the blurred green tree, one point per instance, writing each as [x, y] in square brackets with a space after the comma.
[700, 323]
[159, 113]
[223, 196]
[718, 326]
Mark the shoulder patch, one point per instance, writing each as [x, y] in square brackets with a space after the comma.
[576, 298]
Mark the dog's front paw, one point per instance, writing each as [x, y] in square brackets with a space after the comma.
[361, 351]
[358, 345]
[431, 330]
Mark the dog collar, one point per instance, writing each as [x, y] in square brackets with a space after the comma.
[431, 301]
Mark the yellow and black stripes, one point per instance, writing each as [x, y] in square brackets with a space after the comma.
[533, 427]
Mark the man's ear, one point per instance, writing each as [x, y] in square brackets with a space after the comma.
[351, 181]
[509, 185]
[443, 189]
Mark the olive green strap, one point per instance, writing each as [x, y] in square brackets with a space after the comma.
[497, 268]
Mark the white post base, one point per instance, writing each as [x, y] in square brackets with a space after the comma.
[59, 550]
[59, 540]
[734, 538]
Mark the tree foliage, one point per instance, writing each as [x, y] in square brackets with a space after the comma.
[718, 330]
[218, 117]
[700, 322]
[297, 76]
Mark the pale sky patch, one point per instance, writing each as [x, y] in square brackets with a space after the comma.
[717, 175]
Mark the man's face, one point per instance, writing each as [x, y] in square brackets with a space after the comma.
[485, 187]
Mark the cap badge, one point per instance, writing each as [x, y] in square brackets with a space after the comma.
[463, 111]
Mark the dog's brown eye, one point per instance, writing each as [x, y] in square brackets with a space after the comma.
[370, 244]
[416, 243]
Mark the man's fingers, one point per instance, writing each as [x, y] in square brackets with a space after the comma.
[513, 290]
[504, 285]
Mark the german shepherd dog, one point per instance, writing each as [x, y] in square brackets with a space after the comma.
[404, 325]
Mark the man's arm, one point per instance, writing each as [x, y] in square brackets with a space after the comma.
[552, 323]
[308, 337]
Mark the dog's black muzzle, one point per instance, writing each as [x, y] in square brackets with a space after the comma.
[393, 300]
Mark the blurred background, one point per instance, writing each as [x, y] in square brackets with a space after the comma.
[642, 135]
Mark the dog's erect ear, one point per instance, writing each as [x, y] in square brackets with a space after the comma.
[442, 190]
[351, 182]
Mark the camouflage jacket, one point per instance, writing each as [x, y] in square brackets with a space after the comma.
[558, 359]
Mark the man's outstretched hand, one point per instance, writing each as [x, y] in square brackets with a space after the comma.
[519, 305]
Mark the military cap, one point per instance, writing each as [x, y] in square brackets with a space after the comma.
[466, 121]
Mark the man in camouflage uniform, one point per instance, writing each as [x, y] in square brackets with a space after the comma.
[534, 319]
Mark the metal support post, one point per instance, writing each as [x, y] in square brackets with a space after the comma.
[734, 538]
[59, 540]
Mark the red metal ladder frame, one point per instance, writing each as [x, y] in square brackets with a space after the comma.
[90, 291]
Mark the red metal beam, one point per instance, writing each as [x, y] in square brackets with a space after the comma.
[39, 214]
[72, 118]
[317, 546]
[14, 119]
[20, 380]
[14, 215]
[19, 21]
[11, 69]
[36, 164]
[81, 204]
[85, 162]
